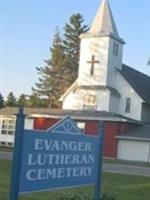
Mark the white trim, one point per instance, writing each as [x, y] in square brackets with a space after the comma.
[133, 138]
[68, 90]
[8, 116]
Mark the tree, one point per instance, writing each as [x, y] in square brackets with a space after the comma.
[71, 41]
[60, 70]
[22, 101]
[34, 101]
[50, 74]
[1, 101]
[11, 100]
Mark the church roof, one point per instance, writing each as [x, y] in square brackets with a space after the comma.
[139, 82]
[74, 114]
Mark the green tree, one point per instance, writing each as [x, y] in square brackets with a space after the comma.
[52, 80]
[71, 41]
[22, 101]
[1, 101]
[60, 70]
[35, 102]
[11, 100]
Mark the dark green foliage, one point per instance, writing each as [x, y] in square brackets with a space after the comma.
[11, 100]
[35, 102]
[22, 101]
[1, 101]
[77, 197]
[71, 41]
[105, 196]
[52, 79]
[60, 70]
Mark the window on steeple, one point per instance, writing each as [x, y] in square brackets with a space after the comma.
[115, 49]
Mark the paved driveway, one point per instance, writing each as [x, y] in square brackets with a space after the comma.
[127, 169]
[114, 168]
[5, 155]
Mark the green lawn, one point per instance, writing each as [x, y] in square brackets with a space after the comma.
[123, 187]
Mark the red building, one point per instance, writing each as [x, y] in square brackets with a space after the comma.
[89, 122]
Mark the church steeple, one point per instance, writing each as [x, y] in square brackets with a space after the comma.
[101, 52]
[104, 22]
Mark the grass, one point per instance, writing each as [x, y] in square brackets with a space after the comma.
[4, 179]
[123, 187]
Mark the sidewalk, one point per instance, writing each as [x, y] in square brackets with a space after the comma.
[127, 169]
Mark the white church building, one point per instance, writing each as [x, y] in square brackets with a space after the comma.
[104, 83]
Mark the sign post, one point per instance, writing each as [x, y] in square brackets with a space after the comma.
[97, 193]
[16, 163]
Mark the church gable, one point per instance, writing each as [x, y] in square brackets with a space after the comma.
[130, 103]
[138, 81]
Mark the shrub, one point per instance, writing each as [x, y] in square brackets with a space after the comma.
[105, 196]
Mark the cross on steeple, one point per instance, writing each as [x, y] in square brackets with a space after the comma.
[92, 62]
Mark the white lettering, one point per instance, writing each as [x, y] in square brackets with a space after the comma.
[38, 144]
[31, 175]
[31, 161]
[57, 173]
[56, 145]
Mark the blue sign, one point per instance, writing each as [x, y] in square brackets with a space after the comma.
[63, 156]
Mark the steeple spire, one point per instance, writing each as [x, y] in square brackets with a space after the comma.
[104, 22]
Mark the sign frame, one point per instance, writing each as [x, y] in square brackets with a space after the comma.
[18, 154]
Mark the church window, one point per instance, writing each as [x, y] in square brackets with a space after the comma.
[128, 105]
[90, 100]
[3, 143]
[115, 49]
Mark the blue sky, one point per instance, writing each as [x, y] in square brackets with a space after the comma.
[27, 29]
